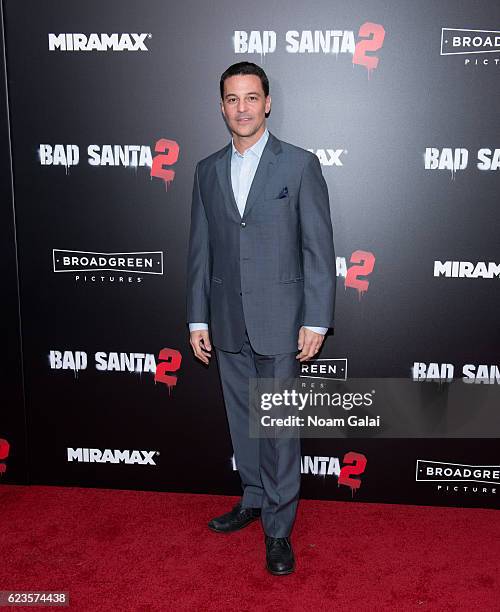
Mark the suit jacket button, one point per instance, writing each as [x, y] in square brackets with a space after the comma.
[240, 292]
[243, 224]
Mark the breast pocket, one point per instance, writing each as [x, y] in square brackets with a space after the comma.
[273, 193]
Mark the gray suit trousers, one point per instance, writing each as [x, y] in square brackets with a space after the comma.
[269, 467]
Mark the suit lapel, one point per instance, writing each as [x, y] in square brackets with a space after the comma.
[262, 174]
[223, 168]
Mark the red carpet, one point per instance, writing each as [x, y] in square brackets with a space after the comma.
[134, 550]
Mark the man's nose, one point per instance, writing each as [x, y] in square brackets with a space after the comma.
[241, 106]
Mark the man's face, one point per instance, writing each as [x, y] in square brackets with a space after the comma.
[244, 105]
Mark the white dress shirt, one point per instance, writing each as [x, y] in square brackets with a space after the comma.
[243, 168]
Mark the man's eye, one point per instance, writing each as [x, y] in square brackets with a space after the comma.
[253, 98]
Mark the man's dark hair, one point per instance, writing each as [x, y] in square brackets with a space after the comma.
[245, 68]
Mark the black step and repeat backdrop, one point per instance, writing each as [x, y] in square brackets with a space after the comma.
[106, 110]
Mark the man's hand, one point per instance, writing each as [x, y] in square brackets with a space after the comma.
[309, 343]
[200, 343]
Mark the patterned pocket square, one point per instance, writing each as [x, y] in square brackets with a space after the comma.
[283, 193]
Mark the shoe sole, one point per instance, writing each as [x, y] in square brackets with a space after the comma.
[233, 530]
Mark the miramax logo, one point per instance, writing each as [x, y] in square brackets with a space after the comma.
[95, 455]
[98, 42]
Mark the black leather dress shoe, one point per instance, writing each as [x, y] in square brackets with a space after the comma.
[235, 519]
[279, 556]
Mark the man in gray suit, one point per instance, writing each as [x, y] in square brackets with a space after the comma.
[261, 279]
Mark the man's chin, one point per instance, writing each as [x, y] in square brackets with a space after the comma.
[245, 130]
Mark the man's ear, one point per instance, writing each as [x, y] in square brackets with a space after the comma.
[222, 109]
[268, 103]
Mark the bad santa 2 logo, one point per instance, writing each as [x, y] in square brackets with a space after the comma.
[165, 368]
[370, 38]
[348, 474]
[117, 155]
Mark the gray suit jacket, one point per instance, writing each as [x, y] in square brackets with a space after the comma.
[271, 270]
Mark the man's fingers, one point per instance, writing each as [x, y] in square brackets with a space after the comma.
[206, 340]
[201, 355]
[304, 355]
[200, 343]
[312, 344]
